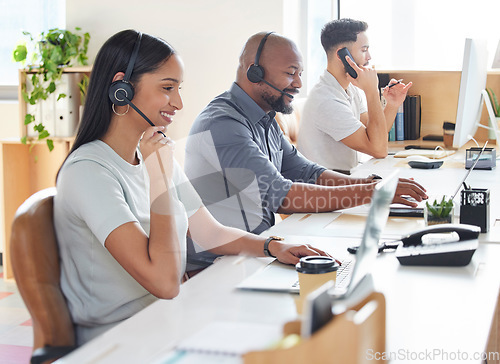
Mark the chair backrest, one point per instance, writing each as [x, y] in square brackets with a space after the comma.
[35, 262]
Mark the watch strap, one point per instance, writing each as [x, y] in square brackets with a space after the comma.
[267, 253]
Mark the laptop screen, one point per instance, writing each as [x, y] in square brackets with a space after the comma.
[375, 222]
[283, 278]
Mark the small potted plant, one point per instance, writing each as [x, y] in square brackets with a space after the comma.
[47, 55]
[439, 212]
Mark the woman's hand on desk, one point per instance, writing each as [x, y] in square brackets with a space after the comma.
[408, 187]
[291, 253]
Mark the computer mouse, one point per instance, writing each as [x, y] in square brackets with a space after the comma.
[419, 161]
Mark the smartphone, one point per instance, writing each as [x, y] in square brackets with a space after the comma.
[345, 52]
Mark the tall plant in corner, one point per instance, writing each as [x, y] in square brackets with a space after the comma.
[46, 56]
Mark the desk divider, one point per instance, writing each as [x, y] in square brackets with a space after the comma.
[349, 338]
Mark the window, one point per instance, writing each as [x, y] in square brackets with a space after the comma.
[33, 16]
[403, 34]
[424, 34]
[303, 21]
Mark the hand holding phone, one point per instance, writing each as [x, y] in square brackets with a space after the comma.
[348, 68]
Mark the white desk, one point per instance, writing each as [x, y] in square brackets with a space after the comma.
[446, 309]
[429, 310]
[438, 182]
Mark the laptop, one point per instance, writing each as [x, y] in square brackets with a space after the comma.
[406, 211]
[279, 277]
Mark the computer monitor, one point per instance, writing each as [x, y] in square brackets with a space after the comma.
[472, 83]
[496, 59]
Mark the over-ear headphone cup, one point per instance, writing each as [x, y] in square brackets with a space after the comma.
[119, 90]
[255, 73]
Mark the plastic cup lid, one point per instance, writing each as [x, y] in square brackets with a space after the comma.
[316, 265]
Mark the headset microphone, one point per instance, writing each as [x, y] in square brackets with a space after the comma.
[255, 72]
[126, 100]
[121, 92]
[277, 89]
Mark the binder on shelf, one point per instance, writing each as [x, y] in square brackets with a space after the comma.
[399, 123]
[415, 117]
[406, 117]
[411, 107]
[66, 110]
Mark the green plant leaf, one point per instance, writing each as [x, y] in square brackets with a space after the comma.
[440, 209]
[28, 119]
[446, 211]
[52, 87]
[25, 96]
[44, 134]
[431, 209]
[38, 127]
[56, 56]
[20, 53]
[24, 139]
[50, 144]
[61, 96]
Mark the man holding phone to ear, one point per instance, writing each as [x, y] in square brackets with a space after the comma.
[343, 114]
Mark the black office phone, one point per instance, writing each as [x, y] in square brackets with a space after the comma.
[457, 252]
[464, 231]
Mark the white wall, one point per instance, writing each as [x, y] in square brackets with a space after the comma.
[208, 34]
[9, 119]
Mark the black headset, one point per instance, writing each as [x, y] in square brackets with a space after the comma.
[121, 92]
[256, 72]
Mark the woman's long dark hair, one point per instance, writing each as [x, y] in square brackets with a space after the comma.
[113, 57]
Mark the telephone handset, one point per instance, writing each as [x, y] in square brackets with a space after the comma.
[348, 68]
[465, 232]
[459, 252]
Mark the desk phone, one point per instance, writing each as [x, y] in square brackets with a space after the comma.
[416, 249]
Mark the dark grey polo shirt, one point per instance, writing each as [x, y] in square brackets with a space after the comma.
[241, 164]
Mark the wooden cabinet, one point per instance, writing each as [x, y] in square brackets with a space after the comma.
[25, 170]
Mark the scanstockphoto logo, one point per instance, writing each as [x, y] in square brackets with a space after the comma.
[436, 355]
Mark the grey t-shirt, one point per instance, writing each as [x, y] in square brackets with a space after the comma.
[331, 114]
[98, 191]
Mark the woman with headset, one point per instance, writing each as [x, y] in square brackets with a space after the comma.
[123, 205]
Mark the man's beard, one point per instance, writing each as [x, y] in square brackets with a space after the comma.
[277, 103]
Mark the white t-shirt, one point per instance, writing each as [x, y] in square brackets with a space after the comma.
[331, 114]
[98, 191]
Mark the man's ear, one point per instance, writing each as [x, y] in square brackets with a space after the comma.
[118, 76]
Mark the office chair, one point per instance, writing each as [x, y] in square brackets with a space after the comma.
[35, 263]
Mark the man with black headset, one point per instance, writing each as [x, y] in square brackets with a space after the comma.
[241, 164]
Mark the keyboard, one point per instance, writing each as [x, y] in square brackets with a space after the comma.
[343, 275]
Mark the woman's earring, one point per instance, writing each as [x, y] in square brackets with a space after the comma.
[113, 107]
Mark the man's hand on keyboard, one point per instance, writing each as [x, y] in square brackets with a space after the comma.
[409, 188]
[291, 253]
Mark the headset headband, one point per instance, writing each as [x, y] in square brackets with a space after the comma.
[259, 50]
[134, 55]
